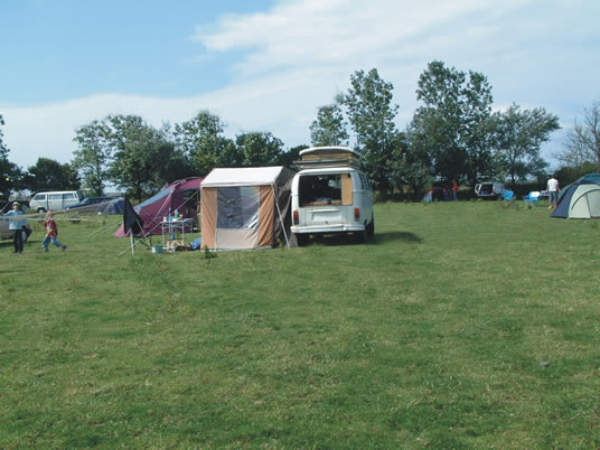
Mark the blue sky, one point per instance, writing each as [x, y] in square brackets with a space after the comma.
[268, 65]
[57, 50]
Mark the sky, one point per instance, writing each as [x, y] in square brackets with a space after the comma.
[267, 65]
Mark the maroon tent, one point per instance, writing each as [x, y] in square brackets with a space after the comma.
[181, 195]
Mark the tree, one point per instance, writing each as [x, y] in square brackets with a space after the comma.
[3, 148]
[453, 122]
[93, 155]
[583, 140]
[371, 113]
[258, 149]
[50, 175]
[414, 169]
[9, 172]
[519, 135]
[330, 127]
[288, 158]
[143, 158]
[201, 140]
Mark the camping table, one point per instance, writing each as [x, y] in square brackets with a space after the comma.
[175, 229]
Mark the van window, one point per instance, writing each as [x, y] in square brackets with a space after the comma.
[40, 197]
[54, 196]
[363, 182]
[367, 184]
[69, 196]
[318, 190]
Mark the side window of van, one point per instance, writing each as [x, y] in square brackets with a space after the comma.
[365, 181]
[40, 197]
[69, 196]
[54, 196]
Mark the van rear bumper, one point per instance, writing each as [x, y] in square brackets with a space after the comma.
[339, 228]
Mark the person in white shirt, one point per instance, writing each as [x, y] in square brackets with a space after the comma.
[553, 189]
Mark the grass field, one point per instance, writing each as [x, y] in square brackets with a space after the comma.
[462, 325]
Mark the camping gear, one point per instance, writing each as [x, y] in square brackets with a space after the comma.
[532, 198]
[181, 195]
[245, 208]
[319, 157]
[508, 195]
[580, 199]
[196, 243]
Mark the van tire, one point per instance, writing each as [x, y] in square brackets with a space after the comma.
[41, 210]
[362, 237]
[371, 227]
[301, 239]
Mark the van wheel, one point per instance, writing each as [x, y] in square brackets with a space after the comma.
[41, 210]
[361, 237]
[301, 239]
[371, 227]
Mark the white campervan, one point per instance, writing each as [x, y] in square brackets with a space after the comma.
[331, 195]
[57, 200]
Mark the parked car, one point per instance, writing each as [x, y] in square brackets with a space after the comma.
[330, 195]
[56, 200]
[489, 189]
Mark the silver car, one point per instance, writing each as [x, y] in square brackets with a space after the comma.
[56, 201]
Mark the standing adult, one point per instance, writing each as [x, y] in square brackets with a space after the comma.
[553, 189]
[454, 190]
[16, 225]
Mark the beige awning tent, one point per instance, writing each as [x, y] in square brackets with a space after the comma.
[245, 208]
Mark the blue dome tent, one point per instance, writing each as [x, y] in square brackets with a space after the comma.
[580, 199]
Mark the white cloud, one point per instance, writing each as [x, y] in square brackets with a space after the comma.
[299, 54]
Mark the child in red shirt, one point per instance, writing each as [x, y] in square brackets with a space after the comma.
[51, 233]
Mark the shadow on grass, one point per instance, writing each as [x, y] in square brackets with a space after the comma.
[7, 243]
[334, 239]
[379, 238]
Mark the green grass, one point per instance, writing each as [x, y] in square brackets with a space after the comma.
[431, 336]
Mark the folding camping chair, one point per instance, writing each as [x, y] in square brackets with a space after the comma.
[509, 197]
[532, 198]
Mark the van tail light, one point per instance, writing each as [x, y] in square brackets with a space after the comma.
[296, 217]
[356, 213]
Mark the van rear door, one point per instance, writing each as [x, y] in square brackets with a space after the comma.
[326, 198]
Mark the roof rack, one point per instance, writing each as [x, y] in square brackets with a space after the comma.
[325, 157]
[327, 163]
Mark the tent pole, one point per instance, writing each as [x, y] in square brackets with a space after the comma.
[287, 242]
[132, 243]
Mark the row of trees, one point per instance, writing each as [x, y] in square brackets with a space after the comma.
[139, 158]
[454, 134]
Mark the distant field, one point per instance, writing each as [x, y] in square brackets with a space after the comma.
[463, 324]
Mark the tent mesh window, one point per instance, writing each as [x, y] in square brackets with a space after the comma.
[238, 207]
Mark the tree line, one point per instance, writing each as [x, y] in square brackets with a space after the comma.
[454, 134]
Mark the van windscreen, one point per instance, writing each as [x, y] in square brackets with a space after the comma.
[319, 190]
